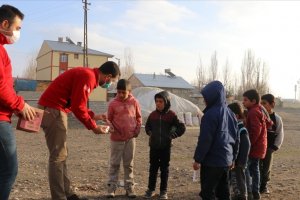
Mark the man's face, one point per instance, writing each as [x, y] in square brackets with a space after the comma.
[160, 104]
[123, 94]
[247, 103]
[7, 29]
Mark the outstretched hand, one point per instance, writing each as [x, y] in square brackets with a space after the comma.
[28, 112]
[100, 130]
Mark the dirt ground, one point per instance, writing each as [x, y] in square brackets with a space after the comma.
[89, 154]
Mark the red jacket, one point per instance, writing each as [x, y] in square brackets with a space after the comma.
[9, 101]
[257, 127]
[125, 117]
[70, 92]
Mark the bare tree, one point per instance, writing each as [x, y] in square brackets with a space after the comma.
[200, 75]
[254, 74]
[226, 79]
[214, 67]
[30, 70]
[128, 69]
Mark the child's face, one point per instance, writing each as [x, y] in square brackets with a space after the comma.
[160, 104]
[248, 103]
[267, 105]
[123, 94]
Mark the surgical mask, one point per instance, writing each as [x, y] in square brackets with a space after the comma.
[106, 85]
[13, 38]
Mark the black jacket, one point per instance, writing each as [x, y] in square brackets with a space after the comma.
[163, 126]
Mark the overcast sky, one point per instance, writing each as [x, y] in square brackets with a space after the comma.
[172, 34]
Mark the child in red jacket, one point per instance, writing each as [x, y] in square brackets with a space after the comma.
[256, 124]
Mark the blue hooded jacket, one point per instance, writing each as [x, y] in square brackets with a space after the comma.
[218, 139]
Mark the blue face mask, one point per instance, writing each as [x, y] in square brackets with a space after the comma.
[106, 85]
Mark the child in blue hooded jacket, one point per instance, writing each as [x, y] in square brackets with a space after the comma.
[217, 145]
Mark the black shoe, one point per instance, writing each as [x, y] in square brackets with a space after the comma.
[256, 195]
[75, 197]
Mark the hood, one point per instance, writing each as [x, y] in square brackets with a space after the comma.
[129, 98]
[214, 94]
[164, 95]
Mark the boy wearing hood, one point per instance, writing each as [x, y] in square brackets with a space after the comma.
[162, 126]
[217, 145]
[124, 115]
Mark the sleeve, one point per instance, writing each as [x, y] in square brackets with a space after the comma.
[8, 96]
[236, 146]
[254, 126]
[180, 127]
[148, 125]
[79, 98]
[244, 148]
[138, 117]
[280, 133]
[207, 130]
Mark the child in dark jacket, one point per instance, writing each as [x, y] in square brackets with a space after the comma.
[162, 126]
[238, 176]
[275, 136]
[217, 143]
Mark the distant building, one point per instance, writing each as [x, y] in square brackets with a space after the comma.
[55, 57]
[170, 82]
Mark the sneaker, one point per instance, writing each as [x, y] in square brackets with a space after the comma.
[256, 195]
[149, 194]
[265, 191]
[111, 191]
[163, 195]
[75, 197]
[130, 192]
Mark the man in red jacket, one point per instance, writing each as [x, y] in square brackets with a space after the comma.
[70, 92]
[10, 25]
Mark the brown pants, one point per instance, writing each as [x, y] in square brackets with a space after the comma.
[55, 126]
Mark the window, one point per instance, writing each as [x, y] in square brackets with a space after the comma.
[63, 58]
[76, 56]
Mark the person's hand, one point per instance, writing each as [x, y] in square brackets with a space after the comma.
[173, 135]
[196, 166]
[102, 117]
[28, 112]
[100, 130]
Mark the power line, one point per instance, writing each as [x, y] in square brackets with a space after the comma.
[85, 41]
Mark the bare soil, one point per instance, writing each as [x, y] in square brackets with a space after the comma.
[88, 164]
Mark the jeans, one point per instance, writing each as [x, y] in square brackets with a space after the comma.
[253, 175]
[214, 183]
[8, 159]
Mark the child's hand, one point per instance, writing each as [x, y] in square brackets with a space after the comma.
[196, 165]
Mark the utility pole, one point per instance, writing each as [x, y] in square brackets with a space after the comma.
[85, 41]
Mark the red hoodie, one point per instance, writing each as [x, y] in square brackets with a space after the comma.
[70, 92]
[9, 101]
[256, 125]
[126, 118]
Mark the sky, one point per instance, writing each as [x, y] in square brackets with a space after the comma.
[171, 34]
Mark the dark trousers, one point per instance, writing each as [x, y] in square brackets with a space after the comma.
[265, 168]
[214, 183]
[238, 182]
[159, 158]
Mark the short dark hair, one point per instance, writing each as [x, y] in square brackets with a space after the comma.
[110, 67]
[123, 84]
[8, 12]
[269, 98]
[252, 95]
[237, 109]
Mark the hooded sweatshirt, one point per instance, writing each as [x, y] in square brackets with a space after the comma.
[161, 124]
[218, 140]
[125, 117]
[9, 101]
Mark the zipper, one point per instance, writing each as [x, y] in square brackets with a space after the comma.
[160, 129]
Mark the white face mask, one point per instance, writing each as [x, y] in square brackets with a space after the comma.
[14, 37]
